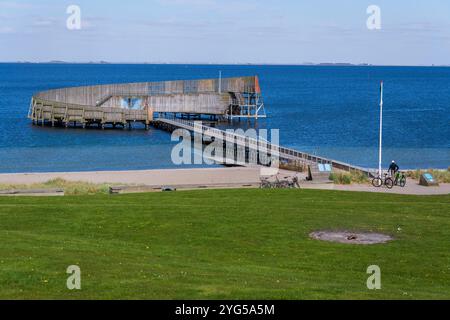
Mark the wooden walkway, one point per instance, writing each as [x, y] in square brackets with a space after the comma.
[254, 147]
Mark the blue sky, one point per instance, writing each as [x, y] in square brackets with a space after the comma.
[227, 31]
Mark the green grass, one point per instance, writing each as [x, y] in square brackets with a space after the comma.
[223, 244]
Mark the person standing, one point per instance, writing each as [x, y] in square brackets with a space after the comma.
[393, 168]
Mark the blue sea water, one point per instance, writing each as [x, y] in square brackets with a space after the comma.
[329, 111]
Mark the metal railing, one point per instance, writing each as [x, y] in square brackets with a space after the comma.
[265, 146]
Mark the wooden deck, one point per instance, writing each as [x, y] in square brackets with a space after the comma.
[54, 112]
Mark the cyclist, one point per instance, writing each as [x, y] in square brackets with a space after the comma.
[393, 168]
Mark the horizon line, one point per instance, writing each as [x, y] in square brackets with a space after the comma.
[336, 64]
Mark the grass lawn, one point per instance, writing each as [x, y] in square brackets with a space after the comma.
[223, 244]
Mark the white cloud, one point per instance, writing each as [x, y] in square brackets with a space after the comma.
[228, 6]
[188, 2]
[6, 30]
[15, 5]
[43, 22]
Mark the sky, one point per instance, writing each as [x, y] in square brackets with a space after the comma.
[227, 31]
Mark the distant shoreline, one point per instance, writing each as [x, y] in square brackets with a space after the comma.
[323, 64]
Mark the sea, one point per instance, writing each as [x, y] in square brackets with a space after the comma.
[330, 111]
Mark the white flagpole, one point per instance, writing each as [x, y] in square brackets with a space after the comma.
[381, 131]
[220, 81]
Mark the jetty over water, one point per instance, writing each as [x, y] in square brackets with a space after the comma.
[162, 104]
[124, 104]
[250, 149]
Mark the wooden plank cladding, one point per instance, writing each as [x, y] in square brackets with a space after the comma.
[90, 95]
[122, 104]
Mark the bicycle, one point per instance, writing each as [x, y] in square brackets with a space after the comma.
[400, 179]
[288, 183]
[279, 184]
[294, 183]
[378, 181]
[265, 184]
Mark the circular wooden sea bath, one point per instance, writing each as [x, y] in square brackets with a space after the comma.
[124, 104]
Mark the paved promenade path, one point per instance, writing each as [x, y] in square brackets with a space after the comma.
[209, 178]
[412, 186]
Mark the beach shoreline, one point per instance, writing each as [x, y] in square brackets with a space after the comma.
[156, 177]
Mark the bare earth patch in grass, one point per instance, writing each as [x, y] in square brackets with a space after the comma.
[351, 237]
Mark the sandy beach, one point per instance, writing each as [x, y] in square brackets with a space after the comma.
[167, 177]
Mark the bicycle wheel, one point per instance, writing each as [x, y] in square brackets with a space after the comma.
[284, 184]
[403, 182]
[377, 182]
[389, 183]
